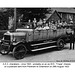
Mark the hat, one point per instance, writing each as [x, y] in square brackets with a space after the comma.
[71, 22]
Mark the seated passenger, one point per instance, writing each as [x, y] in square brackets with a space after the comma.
[46, 27]
[53, 26]
[60, 24]
[49, 23]
[26, 26]
[44, 22]
[56, 23]
[71, 23]
[34, 23]
[39, 27]
[64, 23]
[40, 22]
[29, 23]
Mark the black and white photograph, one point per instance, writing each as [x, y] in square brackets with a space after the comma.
[37, 34]
[37, 37]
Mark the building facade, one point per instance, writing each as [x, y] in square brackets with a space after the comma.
[67, 14]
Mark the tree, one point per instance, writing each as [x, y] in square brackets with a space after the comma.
[5, 13]
[23, 14]
[31, 13]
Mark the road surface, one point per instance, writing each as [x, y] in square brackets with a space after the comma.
[47, 55]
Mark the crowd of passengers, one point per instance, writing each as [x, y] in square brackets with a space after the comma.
[42, 24]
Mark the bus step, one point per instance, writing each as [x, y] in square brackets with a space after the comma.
[43, 48]
[43, 43]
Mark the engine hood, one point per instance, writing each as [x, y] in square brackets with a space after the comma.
[19, 33]
[16, 36]
[26, 30]
[15, 33]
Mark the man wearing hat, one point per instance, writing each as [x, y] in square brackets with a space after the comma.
[71, 37]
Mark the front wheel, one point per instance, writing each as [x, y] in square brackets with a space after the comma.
[19, 51]
[60, 44]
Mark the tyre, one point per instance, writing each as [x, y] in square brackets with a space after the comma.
[19, 51]
[60, 44]
[4, 50]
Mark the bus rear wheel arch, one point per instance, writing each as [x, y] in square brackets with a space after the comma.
[60, 44]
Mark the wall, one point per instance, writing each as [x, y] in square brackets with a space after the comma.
[65, 17]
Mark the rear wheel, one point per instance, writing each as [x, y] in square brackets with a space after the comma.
[60, 44]
[19, 51]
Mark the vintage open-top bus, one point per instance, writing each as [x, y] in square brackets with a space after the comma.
[32, 39]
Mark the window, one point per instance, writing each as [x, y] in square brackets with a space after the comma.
[70, 16]
[60, 14]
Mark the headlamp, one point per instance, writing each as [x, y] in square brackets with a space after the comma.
[14, 39]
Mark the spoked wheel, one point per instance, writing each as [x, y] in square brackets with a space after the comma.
[19, 51]
[4, 50]
[60, 44]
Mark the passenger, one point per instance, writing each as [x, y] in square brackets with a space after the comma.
[46, 27]
[56, 23]
[71, 23]
[39, 27]
[34, 23]
[59, 24]
[49, 25]
[52, 21]
[40, 22]
[54, 27]
[44, 22]
[64, 23]
[29, 23]
[26, 26]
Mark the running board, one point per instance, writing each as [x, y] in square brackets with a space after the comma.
[43, 43]
[43, 48]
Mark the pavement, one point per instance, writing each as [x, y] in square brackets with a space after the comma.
[47, 55]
